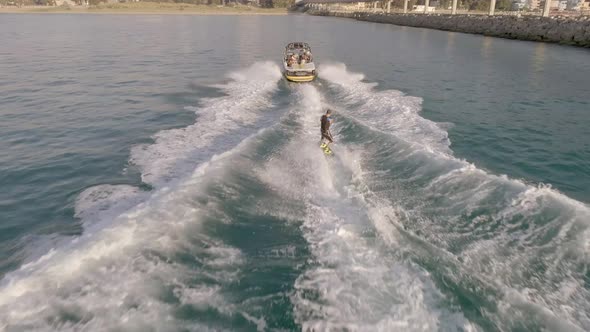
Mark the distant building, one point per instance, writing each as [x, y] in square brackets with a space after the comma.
[572, 4]
[585, 5]
[518, 5]
[555, 4]
[534, 4]
[420, 8]
[559, 5]
[65, 3]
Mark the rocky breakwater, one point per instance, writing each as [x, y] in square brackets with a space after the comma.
[564, 30]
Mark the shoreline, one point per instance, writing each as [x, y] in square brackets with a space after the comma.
[558, 30]
[147, 9]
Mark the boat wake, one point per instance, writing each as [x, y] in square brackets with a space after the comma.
[142, 257]
[248, 225]
[353, 282]
[478, 234]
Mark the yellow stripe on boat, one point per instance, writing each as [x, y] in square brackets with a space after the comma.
[307, 78]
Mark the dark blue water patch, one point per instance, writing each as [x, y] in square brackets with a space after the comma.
[126, 83]
[61, 82]
[14, 139]
[274, 249]
[192, 96]
[132, 101]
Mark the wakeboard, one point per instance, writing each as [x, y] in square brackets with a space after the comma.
[326, 149]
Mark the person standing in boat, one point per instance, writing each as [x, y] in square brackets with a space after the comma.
[325, 123]
[308, 56]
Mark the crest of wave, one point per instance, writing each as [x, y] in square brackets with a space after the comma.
[388, 111]
[126, 275]
[175, 152]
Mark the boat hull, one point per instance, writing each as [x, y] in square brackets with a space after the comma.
[300, 79]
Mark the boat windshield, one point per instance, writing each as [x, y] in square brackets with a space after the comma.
[299, 45]
[298, 53]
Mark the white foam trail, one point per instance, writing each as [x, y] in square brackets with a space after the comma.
[121, 273]
[353, 284]
[545, 228]
[556, 229]
[388, 111]
[109, 279]
[356, 287]
[176, 151]
[96, 204]
[499, 275]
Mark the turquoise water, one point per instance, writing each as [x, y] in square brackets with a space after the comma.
[158, 174]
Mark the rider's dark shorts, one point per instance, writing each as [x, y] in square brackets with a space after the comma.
[327, 136]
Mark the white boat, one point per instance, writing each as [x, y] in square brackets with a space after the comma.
[298, 63]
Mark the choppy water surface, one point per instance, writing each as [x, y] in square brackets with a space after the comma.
[158, 174]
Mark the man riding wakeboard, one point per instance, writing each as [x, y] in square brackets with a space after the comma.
[327, 139]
